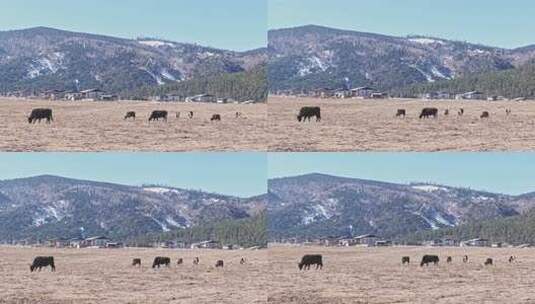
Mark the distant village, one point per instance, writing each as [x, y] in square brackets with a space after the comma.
[372, 93]
[105, 242]
[372, 240]
[100, 95]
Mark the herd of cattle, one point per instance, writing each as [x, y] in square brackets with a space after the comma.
[46, 261]
[306, 262]
[317, 260]
[307, 113]
[42, 113]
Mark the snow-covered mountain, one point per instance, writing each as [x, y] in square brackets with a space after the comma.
[312, 56]
[51, 206]
[45, 58]
[322, 205]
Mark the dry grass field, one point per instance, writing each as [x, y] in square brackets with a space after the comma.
[99, 126]
[106, 276]
[370, 125]
[375, 275]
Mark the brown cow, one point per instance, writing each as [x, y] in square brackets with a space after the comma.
[136, 262]
[485, 114]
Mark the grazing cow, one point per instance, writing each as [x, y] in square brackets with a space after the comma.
[311, 259]
[219, 263]
[38, 114]
[190, 114]
[461, 112]
[488, 262]
[216, 117]
[43, 261]
[507, 111]
[196, 261]
[401, 112]
[242, 261]
[428, 112]
[177, 115]
[426, 259]
[512, 259]
[161, 261]
[130, 114]
[179, 261]
[309, 112]
[446, 112]
[485, 114]
[465, 259]
[238, 114]
[156, 115]
[405, 259]
[136, 262]
[449, 259]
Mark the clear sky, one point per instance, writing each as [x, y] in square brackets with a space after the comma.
[510, 173]
[241, 174]
[228, 24]
[500, 23]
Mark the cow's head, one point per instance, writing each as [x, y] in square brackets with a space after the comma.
[31, 268]
[299, 118]
[300, 265]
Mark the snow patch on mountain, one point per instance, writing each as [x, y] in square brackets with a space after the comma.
[44, 65]
[156, 43]
[429, 188]
[165, 73]
[312, 65]
[157, 78]
[426, 41]
[161, 190]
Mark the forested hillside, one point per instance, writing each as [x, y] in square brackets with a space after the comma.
[241, 86]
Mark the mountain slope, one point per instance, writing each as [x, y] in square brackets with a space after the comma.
[513, 83]
[44, 58]
[320, 205]
[50, 206]
[309, 57]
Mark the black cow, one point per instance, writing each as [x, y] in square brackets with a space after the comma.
[242, 261]
[311, 259]
[156, 115]
[130, 114]
[449, 259]
[488, 262]
[179, 261]
[485, 114]
[465, 259]
[401, 112]
[426, 259]
[216, 117]
[38, 114]
[405, 259]
[512, 259]
[136, 262]
[461, 112]
[190, 114]
[161, 261]
[219, 263]
[238, 114]
[309, 112]
[427, 112]
[43, 261]
[196, 261]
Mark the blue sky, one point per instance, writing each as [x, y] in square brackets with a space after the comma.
[510, 173]
[229, 24]
[242, 174]
[493, 22]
